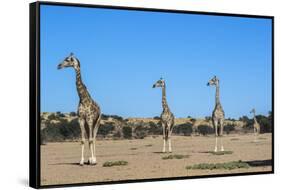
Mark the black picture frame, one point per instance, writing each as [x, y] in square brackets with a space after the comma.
[34, 91]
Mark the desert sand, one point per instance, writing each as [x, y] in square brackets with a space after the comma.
[59, 161]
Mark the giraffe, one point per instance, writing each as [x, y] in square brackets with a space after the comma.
[218, 113]
[89, 113]
[167, 117]
[256, 124]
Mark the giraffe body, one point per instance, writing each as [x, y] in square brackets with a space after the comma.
[167, 117]
[89, 113]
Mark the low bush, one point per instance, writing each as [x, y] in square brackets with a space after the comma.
[226, 166]
[127, 132]
[205, 129]
[115, 163]
[185, 129]
[175, 156]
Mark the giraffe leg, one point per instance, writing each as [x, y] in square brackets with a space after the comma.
[95, 131]
[82, 127]
[255, 134]
[216, 134]
[221, 134]
[164, 139]
[94, 159]
[170, 147]
[164, 145]
[90, 124]
[169, 141]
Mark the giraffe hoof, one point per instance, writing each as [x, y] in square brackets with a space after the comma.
[81, 163]
[92, 161]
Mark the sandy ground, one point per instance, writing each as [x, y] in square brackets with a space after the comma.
[59, 161]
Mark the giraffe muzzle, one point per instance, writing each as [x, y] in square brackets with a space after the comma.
[60, 66]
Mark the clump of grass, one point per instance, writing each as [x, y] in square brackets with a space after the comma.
[148, 145]
[175, 156]
[133, 148]
[262, 138]
[227, 166]
[115, 163]
[220, 152]
[234, 139]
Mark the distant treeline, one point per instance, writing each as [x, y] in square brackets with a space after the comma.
[62, 127]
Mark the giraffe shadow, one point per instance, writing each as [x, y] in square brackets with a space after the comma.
[73, 164]
[159, 152]
[259, 163]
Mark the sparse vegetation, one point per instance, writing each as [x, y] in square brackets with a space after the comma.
[226, 166]
[115, 163]
[64, 126]
[175, 156]
[105, 129]
[148, 145]
[205, 129]
[185, 129]
[220, 152]
[127, 132]
[140, 132]
[229, 128]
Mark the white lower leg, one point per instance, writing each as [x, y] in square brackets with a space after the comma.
[91, 159]
[164, 146]
[82, 154]
[222, 149]
[170, 148]
[216, 146]
[94, 156]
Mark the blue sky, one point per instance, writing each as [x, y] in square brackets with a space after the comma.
[122, 53]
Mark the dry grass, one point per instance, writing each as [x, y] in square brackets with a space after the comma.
[219, 153]
[225, 166]
[115, 163]
[175, 156]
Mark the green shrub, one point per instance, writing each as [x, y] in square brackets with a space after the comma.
[175, 156]
[105, 129]
[127, 132]
[229, 128]
[115, 163]
[52, 117]
[140, 132]
[72, 114]
[205, 129]
[226, 166]
[220, 152]
[185, 129]
[63, 130]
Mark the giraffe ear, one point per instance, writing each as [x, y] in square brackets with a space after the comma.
[71, 54]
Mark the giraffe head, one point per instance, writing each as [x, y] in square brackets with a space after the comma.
[159, 83]
[70, 61]
[253, 111]
[213, 81]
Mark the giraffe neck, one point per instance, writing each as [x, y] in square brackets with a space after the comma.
[217, 94]
[164, 100]
[255, 119]
[81, 88]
